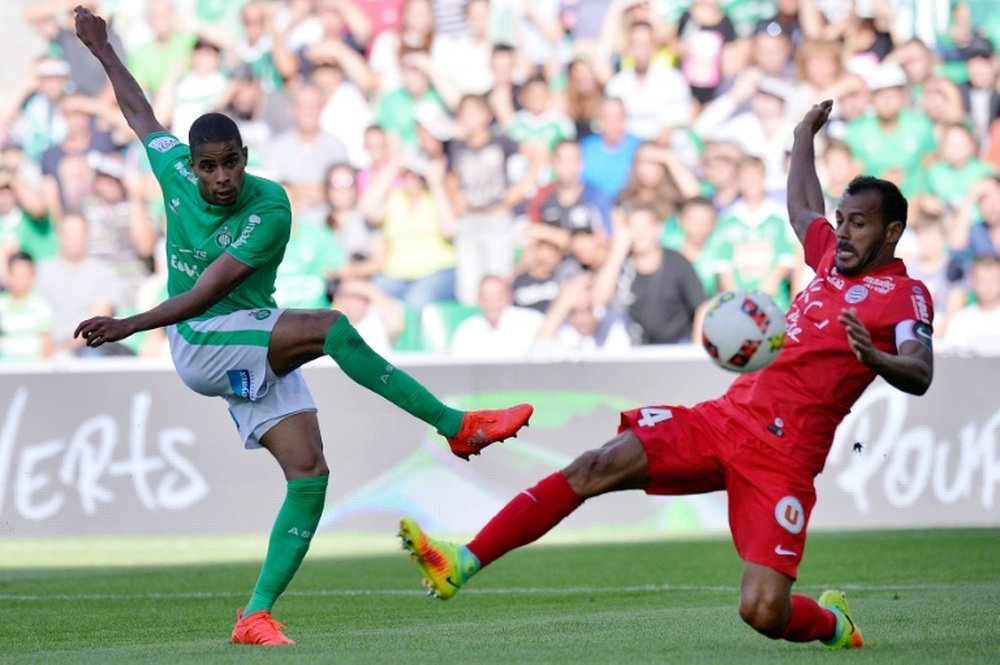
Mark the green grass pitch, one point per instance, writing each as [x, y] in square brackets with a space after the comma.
[919, 596]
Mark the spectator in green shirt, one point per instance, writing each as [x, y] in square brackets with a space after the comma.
[894, 141]
[952, 175]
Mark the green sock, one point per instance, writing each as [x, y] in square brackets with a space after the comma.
[290, 537]
[364, 366]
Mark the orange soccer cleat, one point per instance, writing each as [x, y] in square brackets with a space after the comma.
[481, 428]
[258, 628]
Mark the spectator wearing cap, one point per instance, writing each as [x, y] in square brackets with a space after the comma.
[763, 130]
[893, 141]
[689, 234]
[300, 157]
[980, 97]
[435, 128]
[543, 266]
[53, 19]
[706, 40]
[36, 123]
[654, 286]
[501, 330]
[194, 87]
[410, 205]
[654, 95]
[609, 152]
[25, 317]
[568, 202]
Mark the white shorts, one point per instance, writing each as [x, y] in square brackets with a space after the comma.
[226, 356]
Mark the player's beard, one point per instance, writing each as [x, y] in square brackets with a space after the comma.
[864, 262]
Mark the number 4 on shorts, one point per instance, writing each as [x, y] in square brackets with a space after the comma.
[651, 416]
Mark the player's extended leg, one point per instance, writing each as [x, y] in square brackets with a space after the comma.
[768, 605]
[303, 335]
[620, 464]
[296, 444]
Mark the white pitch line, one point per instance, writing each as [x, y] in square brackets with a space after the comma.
[357, 593]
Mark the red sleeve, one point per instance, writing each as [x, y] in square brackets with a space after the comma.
[534, 207]
[819, 240]
[910, 303]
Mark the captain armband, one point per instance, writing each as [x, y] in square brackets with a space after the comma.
[918, 331]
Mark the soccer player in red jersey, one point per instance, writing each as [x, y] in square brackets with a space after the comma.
[768, 436]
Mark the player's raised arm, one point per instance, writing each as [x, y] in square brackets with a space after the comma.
[93, 32]
[805, 195]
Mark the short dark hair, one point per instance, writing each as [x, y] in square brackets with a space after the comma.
[20, 255]
[697, 201]
[213, 128]
[894, 204]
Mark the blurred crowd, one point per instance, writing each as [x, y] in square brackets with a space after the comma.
[507, 178]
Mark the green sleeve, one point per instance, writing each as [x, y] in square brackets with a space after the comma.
[164, 149]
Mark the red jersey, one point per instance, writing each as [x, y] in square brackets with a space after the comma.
[804, 394]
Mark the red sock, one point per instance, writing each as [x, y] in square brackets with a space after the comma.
[809, 621]
[527, 517]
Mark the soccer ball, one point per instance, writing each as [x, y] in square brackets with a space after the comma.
[743, 330]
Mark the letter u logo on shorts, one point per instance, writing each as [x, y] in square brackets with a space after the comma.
[790, 514]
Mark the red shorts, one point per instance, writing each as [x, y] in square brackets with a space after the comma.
[704, 449]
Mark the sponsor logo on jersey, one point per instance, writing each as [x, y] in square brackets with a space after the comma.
[837, 282]
[880, 286]
[856, 294]
[163, 143]
[185, 172]
[241, 382]
[790, 514]
[224, 237]
[186, 268]
[252, 222]
[920, 308]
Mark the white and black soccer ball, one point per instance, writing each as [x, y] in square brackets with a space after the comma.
[743, 330]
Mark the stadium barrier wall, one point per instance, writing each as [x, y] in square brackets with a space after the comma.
[125, 448]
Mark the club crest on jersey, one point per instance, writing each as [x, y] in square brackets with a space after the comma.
[261, 314]
[856, 294]
[223, 238]
[790, 514]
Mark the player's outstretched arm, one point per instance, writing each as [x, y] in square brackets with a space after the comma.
[805, 195]
[910, 370]
[220, 278]
[93, 32]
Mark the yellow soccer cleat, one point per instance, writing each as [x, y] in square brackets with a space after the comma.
[847, 635]
[446, 566]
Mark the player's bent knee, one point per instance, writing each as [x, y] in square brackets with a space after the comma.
[602, 470]
[766, 615]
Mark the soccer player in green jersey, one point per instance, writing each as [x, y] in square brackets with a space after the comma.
[226, 236]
